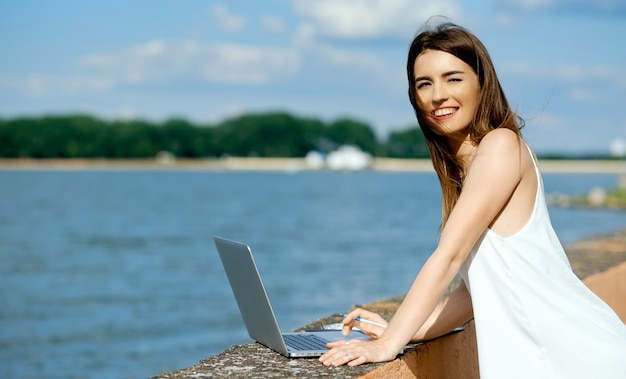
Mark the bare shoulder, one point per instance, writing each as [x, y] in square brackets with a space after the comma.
[500, 140]
[501, 149]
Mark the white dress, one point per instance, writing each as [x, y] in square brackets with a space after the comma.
[534, 318]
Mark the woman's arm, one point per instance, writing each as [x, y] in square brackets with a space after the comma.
[452, 312]
[492, 179]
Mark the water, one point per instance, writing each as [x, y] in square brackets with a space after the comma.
[114, 274]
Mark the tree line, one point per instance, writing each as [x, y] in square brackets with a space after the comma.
[275, 134]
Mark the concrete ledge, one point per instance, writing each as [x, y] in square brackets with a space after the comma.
[601, 261]
[256, 361]
[449, 357]
[611, 287]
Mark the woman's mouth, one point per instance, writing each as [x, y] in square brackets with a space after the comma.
[443, 112]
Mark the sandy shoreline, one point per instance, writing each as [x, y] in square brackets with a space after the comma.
[274, 164]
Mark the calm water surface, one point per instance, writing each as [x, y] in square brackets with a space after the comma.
[114, 274]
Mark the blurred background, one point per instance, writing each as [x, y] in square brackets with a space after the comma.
[561, 62]
[108, 270]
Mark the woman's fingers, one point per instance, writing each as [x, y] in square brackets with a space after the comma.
[341, 355]
[355, 353]
[359, 317]
[369, 315]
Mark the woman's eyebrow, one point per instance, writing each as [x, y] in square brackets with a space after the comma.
[422, 78]
[454, 72]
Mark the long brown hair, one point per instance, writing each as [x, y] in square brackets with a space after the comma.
[493, 109]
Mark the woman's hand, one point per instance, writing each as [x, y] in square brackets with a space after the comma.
[356, 352]
[373, 331]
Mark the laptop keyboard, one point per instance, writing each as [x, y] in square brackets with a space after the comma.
[305, 341]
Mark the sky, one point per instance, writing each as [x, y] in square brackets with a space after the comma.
[561, 63]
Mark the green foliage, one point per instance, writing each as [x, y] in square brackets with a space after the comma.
[616, 198]
[275, 134]
[51, 137]
[186, 140]
[350, 132]
[265, 135]
[408, 143]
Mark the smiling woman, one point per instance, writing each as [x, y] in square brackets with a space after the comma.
[468, 76]
[447, 90]
[496, 234]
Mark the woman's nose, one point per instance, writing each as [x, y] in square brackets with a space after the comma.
[440, 94]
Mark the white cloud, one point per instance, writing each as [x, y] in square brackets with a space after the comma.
[249, 65]
[273, 24]
[366, 61]
[544, 130]
[159, 61]
[227, 21]
[579, 95]
[39, 85]
[163, 62]
[507, 20]
[530, 5]
[368, 64]
[569, 73]
[349, 60]
[549, 121]
[587, 6]
[358, 19]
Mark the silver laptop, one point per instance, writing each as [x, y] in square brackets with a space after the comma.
[256, 310]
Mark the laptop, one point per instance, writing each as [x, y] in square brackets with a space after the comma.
[257, 312]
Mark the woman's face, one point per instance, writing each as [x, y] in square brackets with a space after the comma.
[447, 91]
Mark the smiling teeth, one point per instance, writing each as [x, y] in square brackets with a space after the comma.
[443, 112]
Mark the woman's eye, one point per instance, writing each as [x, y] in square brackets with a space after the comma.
[455, 79]
[422, 85]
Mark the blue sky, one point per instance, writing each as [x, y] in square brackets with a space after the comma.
[561, 63]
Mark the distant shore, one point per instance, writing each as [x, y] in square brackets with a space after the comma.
[276, 164]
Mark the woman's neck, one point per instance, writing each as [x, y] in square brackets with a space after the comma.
[461, 145]
[463, 149]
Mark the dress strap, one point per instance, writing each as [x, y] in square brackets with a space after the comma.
[533, 156]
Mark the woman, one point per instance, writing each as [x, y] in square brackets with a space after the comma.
[534, 318]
